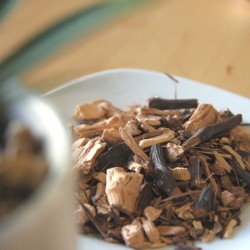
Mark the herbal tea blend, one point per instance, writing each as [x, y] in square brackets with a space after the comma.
[164, 173]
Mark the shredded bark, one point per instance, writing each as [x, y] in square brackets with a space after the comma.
[168, 172]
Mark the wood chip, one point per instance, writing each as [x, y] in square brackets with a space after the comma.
[133, 236]
[229, 229]
[172, 230]
[154, 111]
[122, 188]
[148, 119]
[181, 174]
[96, 110]
[185, 212]
[88, 155]
[151, 230]
[207, 236]
[197, 224]
[152, 213]
[111, 136]
[227, 197]
[174, 151]
[79, 143]
[133, 128]
[128, 139]
[203, 115]
[167, 136]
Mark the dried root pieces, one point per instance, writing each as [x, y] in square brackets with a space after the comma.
[162, 174]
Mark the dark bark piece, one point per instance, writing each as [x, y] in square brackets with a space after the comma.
[195, 170]
[210, 131]
[117, 155]
[162, 104]
[162, 175]
[145, 197]
[206, 199]
[241, 172]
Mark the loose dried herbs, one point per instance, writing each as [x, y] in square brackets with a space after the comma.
[23, 166]
[167, 173]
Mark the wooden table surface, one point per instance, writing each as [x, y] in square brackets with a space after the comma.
[204, 40]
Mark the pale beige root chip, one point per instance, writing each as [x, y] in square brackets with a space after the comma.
[232, 200]
[147, 128]
[117, 121]
[96, 110]
[165, 137]
[129, 140]
[90, 152]
[111, 136]
[152, 213]
[227, 197]
[80, 215]
[122, 188]
[150, 120]
[133, 236]
[185, 212]
[87, 131]
[135, 166]
[133, 128]
[90, 130]
[154, 111]
[203, 115]
[174, 151]
[79, 143]
[171, 230]
[151, 230]
[207, 236]
[229, 229]
[181, 174]
[197, 225]
[137, 221]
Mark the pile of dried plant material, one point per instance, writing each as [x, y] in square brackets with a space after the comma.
[166, 173]
[23, 166]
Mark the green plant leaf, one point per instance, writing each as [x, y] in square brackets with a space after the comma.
[54, 38]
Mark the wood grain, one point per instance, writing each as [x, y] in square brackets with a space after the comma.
[204, 40]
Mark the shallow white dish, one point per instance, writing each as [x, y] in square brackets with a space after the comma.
[125, 86]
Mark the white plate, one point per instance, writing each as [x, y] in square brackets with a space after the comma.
[126, 86]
